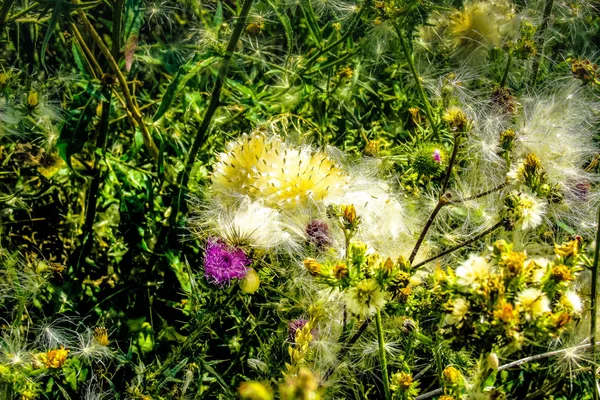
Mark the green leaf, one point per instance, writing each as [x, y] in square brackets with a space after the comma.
[184, 74]
[134, 17]
[79, 58]
[74, 134]
[287, 27]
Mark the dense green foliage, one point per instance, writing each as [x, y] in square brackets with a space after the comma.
[112, 117]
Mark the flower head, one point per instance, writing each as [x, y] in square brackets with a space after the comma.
[282, 175]
[474, 271]
[533, 302]
[460, 307]
[222, 263]
[365, 298]
[318, 234]
[532, 211]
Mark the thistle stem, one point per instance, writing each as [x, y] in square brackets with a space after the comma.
[184, 176]
[382, 357]
[466, 243]
[594, 306]
[411, 64]
[542, 34]
[479, 195]
[443, 200]
[506, 69]
[133, 109]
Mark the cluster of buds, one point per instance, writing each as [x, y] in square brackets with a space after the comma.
[506, 143]
[525, 48]
[532, 174]
[506, 297]
[404, 386]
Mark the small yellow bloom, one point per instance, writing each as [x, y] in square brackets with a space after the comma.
[452, 376]
[101, 336]
[55, 358]
[567, 249]
[32, 99]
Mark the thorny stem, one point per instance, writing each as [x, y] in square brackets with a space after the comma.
[506, 69]
[443, 200]
[519, 363]
[594, 306]
[92, 198]
[466, 243]
[441, 203]
[480, 195]
[341, 39]
[133, 109]
[542, 34]
[411, 63]
[94, 66]
[451, 162]
[382, 357]
[116, 36]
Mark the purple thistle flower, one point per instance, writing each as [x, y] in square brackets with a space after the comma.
[318, 234]
[437, 156]
[222, 263]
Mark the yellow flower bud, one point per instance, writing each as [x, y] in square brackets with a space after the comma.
[251, 281]
[313, 266]
[32, 99]
[493, 361]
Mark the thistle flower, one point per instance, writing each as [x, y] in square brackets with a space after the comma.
[473, 272]
[479, 26]
[460, 308]
[532, 211]
[223, 263]
[282, 175]
[318, 234]
[365, 298]
[54, 358]
[533, 302]
[244, 224]
[572, 301]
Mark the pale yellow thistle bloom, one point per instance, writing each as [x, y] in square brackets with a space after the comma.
[532, 209]
[365, 299]
[460, 307]
[473, 272]
[533, 302]
[479, 26]
[572, 301]
[283, 176]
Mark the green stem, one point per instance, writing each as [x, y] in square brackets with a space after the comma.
[4, 11]
[116, 37]
[542, 34]
[382, 357]
[594, 306]
[506, 69]
[212, 108]
[411, 64]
